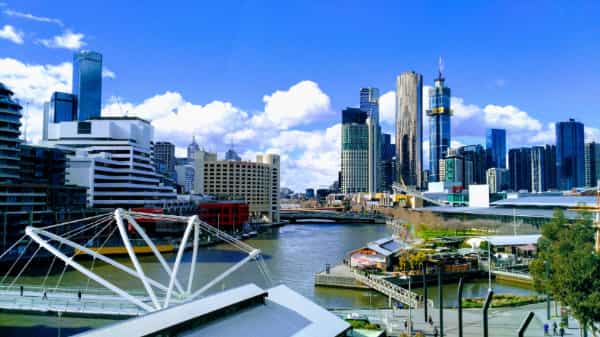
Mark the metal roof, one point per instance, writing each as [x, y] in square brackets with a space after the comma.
[387, 246]
[284, 313]
[499, 211]
[547, 201]
[509, 240]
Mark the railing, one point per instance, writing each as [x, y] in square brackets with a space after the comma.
[388, 288]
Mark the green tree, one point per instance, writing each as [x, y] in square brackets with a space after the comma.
[567, 267]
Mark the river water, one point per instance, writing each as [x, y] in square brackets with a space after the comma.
[293, 254]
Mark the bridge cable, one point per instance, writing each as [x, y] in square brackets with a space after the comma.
[67, 235]
[73, 221]
[24, 267]
[16, 261]
[12, 246]
[89, 280]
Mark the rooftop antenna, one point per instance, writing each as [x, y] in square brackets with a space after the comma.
[441, 68]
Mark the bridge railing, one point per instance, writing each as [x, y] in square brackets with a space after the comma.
[398, 293]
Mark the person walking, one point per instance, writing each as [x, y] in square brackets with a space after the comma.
[546, 326]
[562, 332]
[21, 288]
[554, 329]
[79, 295]
[435, 331]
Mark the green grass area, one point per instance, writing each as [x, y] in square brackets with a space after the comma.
[506, 300]
[428, 233]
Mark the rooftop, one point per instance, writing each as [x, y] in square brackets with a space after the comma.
[547, 201]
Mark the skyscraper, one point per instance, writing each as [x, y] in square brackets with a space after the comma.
[498, 179]
[570, 156]
[87, 83]
[550, 167]
[495, 140]
[519, 162]
[63, 107]
[439, 125]
[409, 128]
[355, 151]
[592, 164]
[369, 102]
[388, 164]
[476, 155]
[538, 168]
[164, 157]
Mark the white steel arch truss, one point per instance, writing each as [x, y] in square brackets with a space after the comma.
[44, 237]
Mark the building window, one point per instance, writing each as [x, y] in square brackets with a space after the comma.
[84, 128]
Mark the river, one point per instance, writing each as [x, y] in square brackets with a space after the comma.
[293, 254]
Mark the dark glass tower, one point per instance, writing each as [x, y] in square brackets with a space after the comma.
[63, 107]
[439, 126]
[570, 155]
[519, 162]
[495, 144]
[87, 84]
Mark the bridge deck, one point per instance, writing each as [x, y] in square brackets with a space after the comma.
[68, 303]
[389, 289]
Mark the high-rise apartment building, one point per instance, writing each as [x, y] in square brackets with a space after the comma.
[519, 162]
[498, 179]
[87, 84]
[550, 167]
[453, 169]
[355, 151]
[409, 128]
[369, 102]
[439, 125]
[570, 154]
[164, 157]
[495, 145]
[538, 169]
[592, 164]
[10, 122]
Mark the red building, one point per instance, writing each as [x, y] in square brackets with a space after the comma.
[224, 214]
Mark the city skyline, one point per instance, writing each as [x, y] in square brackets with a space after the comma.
[296, 114]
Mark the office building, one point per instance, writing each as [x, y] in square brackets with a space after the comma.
[309, 193]
[355, 151]
[475, 156]
[439, 125]
[550, 167]
[87, 84]
[192, 149]
[498, 179]
[388, 162]
[592, 164]
[185, 177]
[495, 145]
[113, 158]
[570, 154]
[256, 183]
[63, 108]
[409, 128]
[453, 169]
[538, 169]
[519, 161]
[164, 157]
[369, 102]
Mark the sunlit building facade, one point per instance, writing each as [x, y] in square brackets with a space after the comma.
[409, 128]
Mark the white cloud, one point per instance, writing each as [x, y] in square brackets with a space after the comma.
[29, 16]
[387, 108]
[67, 40]
[107, 73]
[9, 32]
[303, 103]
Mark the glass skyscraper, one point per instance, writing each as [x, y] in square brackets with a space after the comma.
[369, 103]
[63, 107]
[570, 155]
[439, 126]
[495, 144]
[355, 151]
[87, 84]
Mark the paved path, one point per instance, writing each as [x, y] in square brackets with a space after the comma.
[502, 321]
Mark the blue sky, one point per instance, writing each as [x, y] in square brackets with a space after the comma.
[510, 64]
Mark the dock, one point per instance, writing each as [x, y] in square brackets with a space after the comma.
[339, 276]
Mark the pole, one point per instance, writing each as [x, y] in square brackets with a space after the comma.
[486, 306]
[460, 317]
[441, 299]
[489, 266]
[525, 324]
[425, 292]
[547, 271]
[409, 309]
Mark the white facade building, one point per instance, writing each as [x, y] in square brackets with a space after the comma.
[114, 160]
[185, 177]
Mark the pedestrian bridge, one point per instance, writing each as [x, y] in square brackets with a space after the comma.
[294, 216]
[69, 240]
[391, 290]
